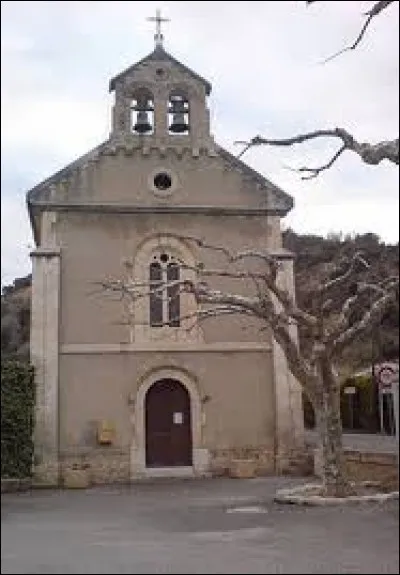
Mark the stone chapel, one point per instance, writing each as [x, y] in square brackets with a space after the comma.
[151, 397]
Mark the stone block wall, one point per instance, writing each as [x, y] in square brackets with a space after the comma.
[99, 466]
[84, 467]
[365, 466]
[263, 461]
[106, 466]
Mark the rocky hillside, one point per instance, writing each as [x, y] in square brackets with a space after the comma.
[313, 253]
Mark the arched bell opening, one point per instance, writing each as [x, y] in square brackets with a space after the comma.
[178, 114]
[142, 112]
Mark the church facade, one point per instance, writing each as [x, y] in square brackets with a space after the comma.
[149, 396]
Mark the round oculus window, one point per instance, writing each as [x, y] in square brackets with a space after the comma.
[162, 181]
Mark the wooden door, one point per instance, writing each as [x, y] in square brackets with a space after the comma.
[168, 425]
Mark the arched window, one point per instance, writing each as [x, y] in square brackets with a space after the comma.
[142, 112]
[164, 293]
[178, 114]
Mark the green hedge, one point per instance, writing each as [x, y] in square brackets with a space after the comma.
[17, 417]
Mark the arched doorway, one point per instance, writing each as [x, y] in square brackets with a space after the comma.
[168, 425]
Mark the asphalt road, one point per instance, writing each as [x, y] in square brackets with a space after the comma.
[193, 526]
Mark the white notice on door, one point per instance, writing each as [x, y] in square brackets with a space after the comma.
[178, 417]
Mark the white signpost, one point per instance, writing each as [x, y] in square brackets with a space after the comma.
[388, 380]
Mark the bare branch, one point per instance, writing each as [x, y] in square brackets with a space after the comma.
[205, 295]
[314, 172]
[379, 288]
[371, 317]
[269, 277]
[343, 321]
[203, 244]
[138, 290]
[198, 314]
[346, 275]
[278, 321]
[231, 256]
[377, 8]
[298, 365]
[371, 154]
[202, 314]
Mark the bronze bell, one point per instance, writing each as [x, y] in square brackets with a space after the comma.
[143, 107]
[142, 125]
[178, 110]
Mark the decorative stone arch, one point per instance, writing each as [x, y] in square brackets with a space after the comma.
[188, 330]
[200, 456]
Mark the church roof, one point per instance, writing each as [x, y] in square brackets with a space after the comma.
[285, 199]
[159, 54]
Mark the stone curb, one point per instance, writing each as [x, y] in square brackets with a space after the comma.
[297, 496]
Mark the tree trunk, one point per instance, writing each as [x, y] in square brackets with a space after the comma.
[330, 430]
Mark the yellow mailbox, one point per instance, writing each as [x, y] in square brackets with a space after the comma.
[106, 432]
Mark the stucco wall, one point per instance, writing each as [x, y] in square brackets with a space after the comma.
[238, 413]
[201, 181]
[94, 247]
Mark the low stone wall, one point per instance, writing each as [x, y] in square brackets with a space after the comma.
[364, 465]
[84, 468]
[246, 462]
[225, 461]
[97, 467]
[102, 466]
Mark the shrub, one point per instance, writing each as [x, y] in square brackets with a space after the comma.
[17, 418]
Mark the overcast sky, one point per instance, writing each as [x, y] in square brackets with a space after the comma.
[264, 62]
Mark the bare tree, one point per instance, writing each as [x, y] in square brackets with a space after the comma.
[336, 320]
[370, 153]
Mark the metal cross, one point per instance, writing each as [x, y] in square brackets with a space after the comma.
[158, 19]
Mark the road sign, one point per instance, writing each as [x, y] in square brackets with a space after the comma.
[387, 375]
